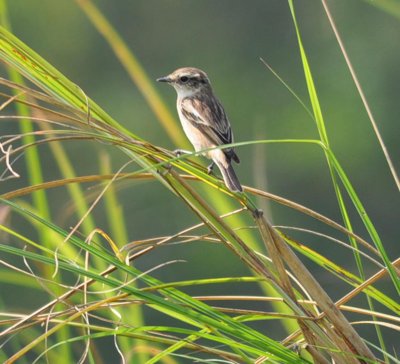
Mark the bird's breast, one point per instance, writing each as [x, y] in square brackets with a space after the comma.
[194, 134]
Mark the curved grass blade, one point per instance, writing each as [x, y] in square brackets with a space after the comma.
[335, 167]
[179, 305]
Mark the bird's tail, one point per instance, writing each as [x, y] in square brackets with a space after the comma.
[230, 178]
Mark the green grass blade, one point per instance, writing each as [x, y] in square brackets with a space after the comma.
[344, 275]
[187, 310]
[116, 221]
[135, 70]
[366, 220]
[32, 158]
[27, 62]
[335, 167]
[137, 73]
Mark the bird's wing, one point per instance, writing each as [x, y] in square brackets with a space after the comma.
[209, 116]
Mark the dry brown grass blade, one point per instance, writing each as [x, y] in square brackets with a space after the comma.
[261, 269]
[313, 214]
[158, 337]
[353, 293]
[283, 279]
[270, 238]
[233, 242]
[353, 309]
[368, 282]
[145, 176]
[38, 316]
[281, 274]
[271, 244]
[343, 329]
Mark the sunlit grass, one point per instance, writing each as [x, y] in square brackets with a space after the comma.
[89, 278]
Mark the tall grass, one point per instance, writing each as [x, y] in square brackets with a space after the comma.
[88, 278]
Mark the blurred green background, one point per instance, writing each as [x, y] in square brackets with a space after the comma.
[226, 39]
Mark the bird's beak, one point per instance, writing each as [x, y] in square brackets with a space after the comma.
[164, 79]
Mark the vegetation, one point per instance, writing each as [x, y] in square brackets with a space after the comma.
[86, 282]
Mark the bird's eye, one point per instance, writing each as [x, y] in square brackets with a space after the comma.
[184, 79]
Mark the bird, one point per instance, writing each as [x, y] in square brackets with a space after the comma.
[204, 121]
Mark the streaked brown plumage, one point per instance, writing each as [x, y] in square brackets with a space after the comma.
[204, 120]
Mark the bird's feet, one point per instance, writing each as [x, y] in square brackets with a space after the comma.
[179, 152]
[210, 168]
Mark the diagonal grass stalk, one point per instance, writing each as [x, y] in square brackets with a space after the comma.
[207, 323]
[138, 74]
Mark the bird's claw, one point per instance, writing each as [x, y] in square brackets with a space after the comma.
[179, 152]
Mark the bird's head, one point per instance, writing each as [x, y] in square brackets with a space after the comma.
[187, 81]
